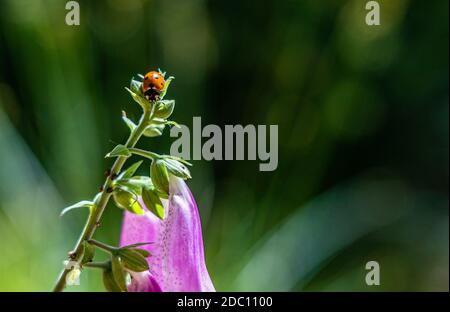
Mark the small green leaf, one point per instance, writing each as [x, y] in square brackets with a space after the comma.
[122, 199]
[97, 197]
[118, 273]
[119, 150]
[135, 86]
[143, 252]
[128, 185]
[133, 260]
[176, 168]
[144, 153]
[161, 72]
[162, 194]
[172, 123]
[88, 254]
[142, 180]
[127, 200]
[128, 122]
[143, 102]
[81, 204]
[136, 245]
[154, 130]
[158, 121]
[164, 109]
[129, 172]
[159, 175]
[153, 202]
[109, 281]
[166, 87]
[138, 181]
[181, 160]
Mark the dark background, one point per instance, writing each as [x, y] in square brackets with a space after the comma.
[363, 134]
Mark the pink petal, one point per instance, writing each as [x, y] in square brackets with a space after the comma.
[177, 262]
[143, 282]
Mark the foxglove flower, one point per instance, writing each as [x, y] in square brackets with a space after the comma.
[177, 260]
[143, 282]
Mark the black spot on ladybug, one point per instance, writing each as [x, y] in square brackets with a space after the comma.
[145, 78]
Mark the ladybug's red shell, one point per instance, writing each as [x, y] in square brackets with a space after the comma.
[153, 81]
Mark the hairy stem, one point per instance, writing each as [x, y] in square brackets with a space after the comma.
[100, 204]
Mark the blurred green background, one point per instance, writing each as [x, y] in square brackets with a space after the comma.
[363, 135]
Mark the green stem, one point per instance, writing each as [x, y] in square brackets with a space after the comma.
[101, 245]
[98, 265]
[100, 204]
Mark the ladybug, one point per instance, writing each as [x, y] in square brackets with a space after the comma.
[153, 84]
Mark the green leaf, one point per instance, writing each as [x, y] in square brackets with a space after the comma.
[162, 194]
[153, 202]
[128, 185]
[160, 176]
[97, 197]
[172, 123]
[109, 281]
[166, 87]
[176, 168]
[158, 121]
[119, 150]
[143, 252]
[161, 72]
[128, 122]
[142, 101]
[136, 245]
[81, 204]
[143, 153]
[135, 86]
[138, 181]
[133, 260]
[164, 109]
[118, 273]
[129, 172]
[154, 130]
[181, 160]
[88, 254]
[127, 200]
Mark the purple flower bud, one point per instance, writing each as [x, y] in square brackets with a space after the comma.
[177, 261]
